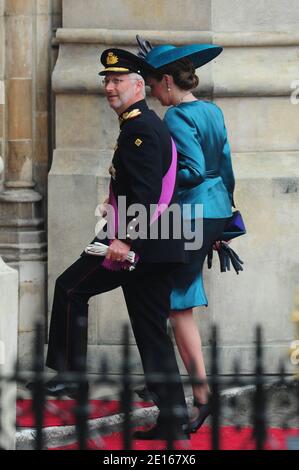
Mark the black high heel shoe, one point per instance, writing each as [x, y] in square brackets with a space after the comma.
[205, 410]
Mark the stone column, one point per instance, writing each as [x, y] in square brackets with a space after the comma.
[2, 94]
[18, 74]
[8, 350]
[25, 148]
[8, 353]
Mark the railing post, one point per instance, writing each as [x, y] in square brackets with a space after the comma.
[39, 397]
[80, 386]
[126, 393]
[259, 412]
[215, 400]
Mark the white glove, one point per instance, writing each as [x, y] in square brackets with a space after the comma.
[99, 249]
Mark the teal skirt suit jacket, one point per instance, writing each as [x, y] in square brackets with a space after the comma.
[205, 176]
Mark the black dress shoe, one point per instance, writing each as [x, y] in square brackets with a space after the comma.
[145, 394]
[204, 410]
[52, 387]
[161, 433]
[56, 388]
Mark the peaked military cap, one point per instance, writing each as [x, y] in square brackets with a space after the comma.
[121, 61]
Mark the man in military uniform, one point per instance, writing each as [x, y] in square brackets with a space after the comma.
[143, 170]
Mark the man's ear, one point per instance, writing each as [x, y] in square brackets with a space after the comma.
[140, 85]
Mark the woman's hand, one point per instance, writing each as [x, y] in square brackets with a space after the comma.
[217, 245]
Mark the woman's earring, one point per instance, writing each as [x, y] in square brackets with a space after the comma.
[167, 84]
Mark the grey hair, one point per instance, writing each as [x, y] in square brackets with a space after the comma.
[141, 79]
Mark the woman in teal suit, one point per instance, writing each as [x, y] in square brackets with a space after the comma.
[205, 176]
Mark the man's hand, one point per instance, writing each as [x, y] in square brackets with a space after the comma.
[102, 207]
[118, 251]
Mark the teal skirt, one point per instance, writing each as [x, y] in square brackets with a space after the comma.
[188, 290]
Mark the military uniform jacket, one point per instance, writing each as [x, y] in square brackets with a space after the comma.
[142, 157]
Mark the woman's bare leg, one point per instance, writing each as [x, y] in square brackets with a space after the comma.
[188, 341]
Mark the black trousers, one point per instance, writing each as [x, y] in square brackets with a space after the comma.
[147, 295]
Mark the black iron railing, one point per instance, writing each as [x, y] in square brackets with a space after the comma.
[256, 407]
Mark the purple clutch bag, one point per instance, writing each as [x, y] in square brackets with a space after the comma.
[235, 227]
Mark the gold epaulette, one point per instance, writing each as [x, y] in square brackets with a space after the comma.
[129, 115]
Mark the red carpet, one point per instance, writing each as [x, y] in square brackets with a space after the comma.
[231, 439]
[61, 412]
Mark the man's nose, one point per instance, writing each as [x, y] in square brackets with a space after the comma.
[109, 85]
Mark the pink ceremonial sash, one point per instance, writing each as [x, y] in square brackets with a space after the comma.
[168, 185]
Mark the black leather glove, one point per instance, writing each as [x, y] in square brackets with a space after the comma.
[227, 256]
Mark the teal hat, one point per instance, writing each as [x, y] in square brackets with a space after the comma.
[198, 54]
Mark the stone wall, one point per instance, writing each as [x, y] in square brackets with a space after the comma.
[25, 141]
[252, 81]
